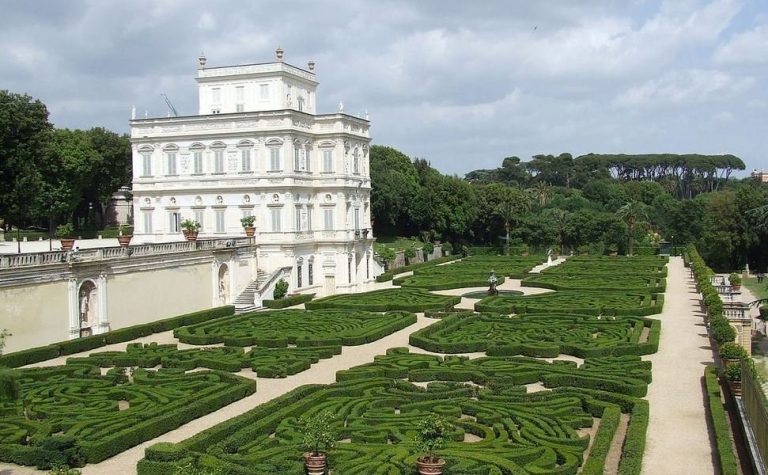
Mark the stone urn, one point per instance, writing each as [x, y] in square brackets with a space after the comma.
[315, 463]
[250, 231]
[67, 244]
[124, 240]
[428, 467]
[735, 387]
[190, 235]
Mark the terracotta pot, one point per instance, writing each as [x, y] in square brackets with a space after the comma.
[736, 287]
[190, 235]
[67, 244]
[315, 463]
[735, 387]
[124, 240]
[430, 468]
[250, 231]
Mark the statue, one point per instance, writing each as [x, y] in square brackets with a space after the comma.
[492, 280]
[549, 257]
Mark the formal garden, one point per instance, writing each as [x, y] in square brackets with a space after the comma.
[551, 383]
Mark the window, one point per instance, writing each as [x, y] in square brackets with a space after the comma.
[307, 159]
[197, 157]
[357, 219]
[146, 160]
[356, 163]
[301, 104]
[298, 274]
[328, 215]
[240, 98]
[349, 270]
[174, 222]
[220, 221]
[274, 159]
[264, 92]
[199, 215]
[298, 218]
[245, 159]
[216, 95]
[148, 222]
[310, 210]
[296, 166]
[171, 157]
[310, 273]
[275, 212]
[367, 266]
[328, 161]
[218, 161]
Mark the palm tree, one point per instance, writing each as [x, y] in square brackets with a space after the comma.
[632, 212]
[510, 207]
[541, 193]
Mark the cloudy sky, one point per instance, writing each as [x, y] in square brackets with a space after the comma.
[460, 83]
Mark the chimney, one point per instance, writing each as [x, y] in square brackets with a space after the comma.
[201, 60]
[279, 53]
[311, 66]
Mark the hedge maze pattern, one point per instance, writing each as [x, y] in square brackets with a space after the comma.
[470, 272]
[410, 300]
[500, 428]
[540, 335]
[592, 303]
[593, 282]
[265, 362]
[621, 266]
[74, 416]
[297, 327]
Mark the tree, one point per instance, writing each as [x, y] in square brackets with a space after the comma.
[631, 213]
[24, 134]
[395, 184]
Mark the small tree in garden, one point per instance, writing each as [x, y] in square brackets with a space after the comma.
[428, 249]
[9, 385]
[318, 431]
[281, 289]
[387, 254]
[409, 253]
[430, 437]
[632, 212]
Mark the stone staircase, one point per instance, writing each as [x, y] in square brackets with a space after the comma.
[244, 301]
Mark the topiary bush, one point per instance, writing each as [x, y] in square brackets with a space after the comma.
[281, 289]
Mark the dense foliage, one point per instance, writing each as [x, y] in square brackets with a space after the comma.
[52, 175]
[594, 203]
[378, 415]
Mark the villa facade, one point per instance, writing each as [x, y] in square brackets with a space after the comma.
[258, 148]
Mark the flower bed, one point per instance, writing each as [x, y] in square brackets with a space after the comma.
[410, 300]
[74, 414]
[377, 416]
[280, 328]
[540, 335]
[591, 303]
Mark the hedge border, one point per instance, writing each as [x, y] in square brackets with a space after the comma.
[63, 348]
[719, 420]
[288, 301]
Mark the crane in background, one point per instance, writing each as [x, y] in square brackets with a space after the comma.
[170, 105]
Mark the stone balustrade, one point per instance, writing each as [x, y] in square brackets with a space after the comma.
[12, 261]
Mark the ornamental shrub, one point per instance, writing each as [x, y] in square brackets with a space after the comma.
[281, 289]
[732, 351]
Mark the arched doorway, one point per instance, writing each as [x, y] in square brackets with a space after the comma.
[88, 308]
[224, 285]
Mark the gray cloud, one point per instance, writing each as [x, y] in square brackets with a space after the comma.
[460, 83]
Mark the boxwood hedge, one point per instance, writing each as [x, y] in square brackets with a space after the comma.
[409, 300]
[591, 303]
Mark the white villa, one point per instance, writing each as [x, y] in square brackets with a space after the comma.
[258, 148]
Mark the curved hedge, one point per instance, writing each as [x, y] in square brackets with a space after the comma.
[280, 328]
[591, 303]
[74, 415]
[498, 429]
[43, 353]
[409, 300]
[540, 335]
[596, 282]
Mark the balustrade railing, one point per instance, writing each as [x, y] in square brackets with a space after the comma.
[753, 397]
[11, 261]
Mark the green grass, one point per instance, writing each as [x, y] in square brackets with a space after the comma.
[397, 243]
[760, 291]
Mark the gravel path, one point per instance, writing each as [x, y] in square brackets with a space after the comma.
[323, 372]
[677, 440]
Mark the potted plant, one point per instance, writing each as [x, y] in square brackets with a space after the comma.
[124, 234]
[319, 433]
[735, 280]
[190, 228]
[247, 222]
[430, 437]
[409, 253]
[732, 353]
[733, 375]
[65, 232]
